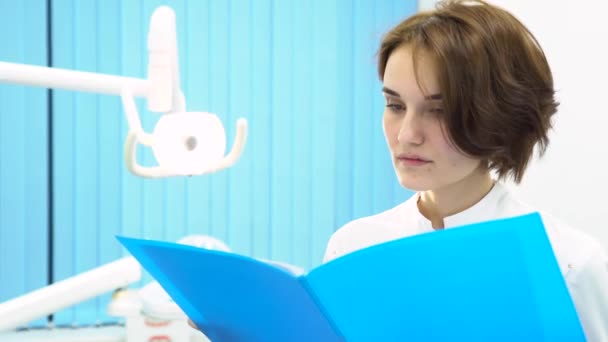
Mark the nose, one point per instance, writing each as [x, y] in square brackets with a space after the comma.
[411, 131]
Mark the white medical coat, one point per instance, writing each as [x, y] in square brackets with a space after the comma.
[582, 260]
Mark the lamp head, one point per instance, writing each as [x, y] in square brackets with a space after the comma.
[189, 143]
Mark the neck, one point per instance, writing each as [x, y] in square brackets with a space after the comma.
[438, 204]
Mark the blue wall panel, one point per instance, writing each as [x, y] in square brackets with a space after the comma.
[197, 39]
[23, 154]
[258, 149]
[325, 106]
[110, 139]
[301, 134]
[282, 73]
[239, 185]
[218, 83]
[302, 73]
[344, 112]
[63, 159]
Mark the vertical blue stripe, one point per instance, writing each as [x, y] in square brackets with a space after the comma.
[109, 144]
[327, 125]
[219, 103]
[260, 123]
[195, 73]
[363, 49]
[283, 115]
[135, 24]
[35, 157]
[132, 57]
[381, 189]
[63, 145]
[86, 159]
[301, 149]
[345, 114]
[240, 94]
[23, 155]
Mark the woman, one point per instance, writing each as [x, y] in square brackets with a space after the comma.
[469, 95]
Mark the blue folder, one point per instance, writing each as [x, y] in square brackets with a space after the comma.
[491, 281]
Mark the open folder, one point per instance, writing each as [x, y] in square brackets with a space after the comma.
[491, 281]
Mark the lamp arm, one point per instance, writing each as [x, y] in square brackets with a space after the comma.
[161, 88]
[47, 77]
[68, 292]
[135, 127]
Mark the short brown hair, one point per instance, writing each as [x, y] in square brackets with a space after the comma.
[495, 82]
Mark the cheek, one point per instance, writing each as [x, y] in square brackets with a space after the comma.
[453, 157]
[390, 126]
[457, 159]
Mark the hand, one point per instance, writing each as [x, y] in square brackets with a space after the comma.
[194, 326]
[190, 323]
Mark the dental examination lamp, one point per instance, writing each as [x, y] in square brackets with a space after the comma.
[183, 143]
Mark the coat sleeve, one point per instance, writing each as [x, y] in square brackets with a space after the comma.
[589, 291]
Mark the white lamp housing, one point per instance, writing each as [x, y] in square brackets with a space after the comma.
[189, 143]
[184, 143]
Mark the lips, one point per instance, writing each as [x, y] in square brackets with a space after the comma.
[412, 157]
[408, 159]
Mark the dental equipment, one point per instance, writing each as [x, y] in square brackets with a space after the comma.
[62, 294]
[183, 143]
[109, 277]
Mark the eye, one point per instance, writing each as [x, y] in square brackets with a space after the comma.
[436, 111]
[394, 106]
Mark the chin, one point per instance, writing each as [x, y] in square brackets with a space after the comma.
[414, 184]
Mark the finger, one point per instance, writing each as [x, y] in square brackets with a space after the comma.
[190, 323]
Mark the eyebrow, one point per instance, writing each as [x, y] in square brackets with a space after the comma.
[389, 91]
[434, 97]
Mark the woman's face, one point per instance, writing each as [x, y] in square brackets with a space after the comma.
[423, 157]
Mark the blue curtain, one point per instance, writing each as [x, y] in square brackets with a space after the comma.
[24, 209]
[302, 73]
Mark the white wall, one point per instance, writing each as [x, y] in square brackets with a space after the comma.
[570, 180]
